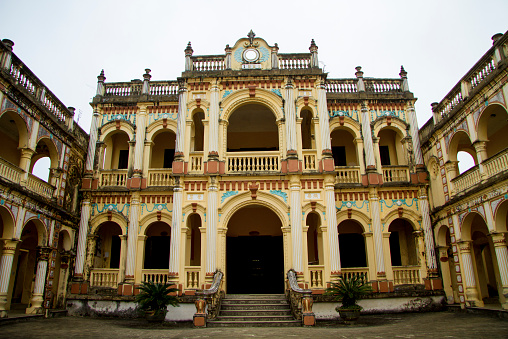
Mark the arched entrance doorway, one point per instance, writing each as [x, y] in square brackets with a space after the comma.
[254, 252]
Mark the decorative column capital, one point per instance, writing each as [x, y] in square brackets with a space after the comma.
[465, 246]
[43, 253]
[10, 246]
[498, 239]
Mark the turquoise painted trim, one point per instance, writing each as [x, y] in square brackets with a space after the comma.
[281, 194]
[158, 116]
[238, 55]
[277, 91]
[131, 117]
[399, 203]
[265, 54]
[349, 204]
[110, 207]
[227, 195]
[340, 113]
[226, 93]
[158, 207]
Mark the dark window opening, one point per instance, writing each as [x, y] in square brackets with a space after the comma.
[123, 159]
[384, 153]
[169, 155]
[115, 252]
[339, 155]
[352, 250]
[395, 249]
[157, 252]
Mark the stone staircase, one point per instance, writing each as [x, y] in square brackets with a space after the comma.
[254, 310]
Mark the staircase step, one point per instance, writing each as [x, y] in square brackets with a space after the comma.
[256, 318]
[218, 323]
[229, 313]
[253, 301]
[255, 306]
[255, 296]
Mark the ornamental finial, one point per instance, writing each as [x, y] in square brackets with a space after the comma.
[251, 36]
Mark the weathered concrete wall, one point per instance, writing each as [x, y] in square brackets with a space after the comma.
[326, 310]
[124, 309]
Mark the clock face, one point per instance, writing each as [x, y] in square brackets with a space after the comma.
[251, 55]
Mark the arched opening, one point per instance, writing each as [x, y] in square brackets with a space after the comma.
[254, 251]
[343, 148]
[108, 245]
[483, 258]
[307, 128]
[44, 158]
[351, 244]
[198, 131]
[163, 150]
[460, 145]
[493, 128]
[116, 151]
[157, 246]
[13, 137]
[25, 262]
[403, 243]
[193, 248]
[314, 239]
[391, 149]
[252, 127]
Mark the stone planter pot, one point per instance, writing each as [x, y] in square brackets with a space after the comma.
[348, 315]
[153, 317]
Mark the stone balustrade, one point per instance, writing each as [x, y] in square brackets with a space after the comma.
[406, 275]
[160, 177]
[496, 164]
[466, 180]
[114, 177]
[104, 277]
[294, 61]
[123, 89]
[196, 162]
[192, 274]
[39, 186]
[347, 175]
[310, 160]
[206, 63]
[341, 85]
[395, 173]
[316, 276]
[383, 85]
[159, 276]
[10, 171]
[253, 162]
[163, 88]
[358, 272]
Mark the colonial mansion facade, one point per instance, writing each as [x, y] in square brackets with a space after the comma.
[255, 162]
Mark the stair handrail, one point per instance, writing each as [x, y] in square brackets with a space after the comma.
[300, 300]
[209, 300]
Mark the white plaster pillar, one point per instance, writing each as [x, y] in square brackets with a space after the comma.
[498, 239]
[427, 231]
[140, 140]
[415, 136]
[469, 276]
[290, 116]
[132, 235]
[377, 234]
[20, 219]
[82, 236]
[40, 278]
[211, 231]
[180, 123]
[324, 119]
[213, 132]
[92, 143]
[174, 249]
[188, 61]
[296, 228]
[333, 235]
[6, 260]
[370, 160]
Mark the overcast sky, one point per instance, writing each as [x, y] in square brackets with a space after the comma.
[67, 43]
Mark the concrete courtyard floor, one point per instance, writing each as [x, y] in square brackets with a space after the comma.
[414, 325]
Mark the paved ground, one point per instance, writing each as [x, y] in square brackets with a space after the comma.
[423, 325]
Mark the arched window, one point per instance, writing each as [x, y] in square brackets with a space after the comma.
[107, 246]
[391, 149]
[402, 243]
[194, 241]
[116, 152]
[314, 239]
[163, 150]
[308, 141]
[343, 148]
[198, 131]
[157, 246]
[351, 244]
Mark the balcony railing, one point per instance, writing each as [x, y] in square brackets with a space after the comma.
[114, 177]
[347, 175]
[208, 63]
[356, 272]
[104, 277]
[466, 180]
[192, 274]
[160, 177]
[316, 275]
[395, 173]
[341, 85]
[10, 171]
[496, 164]
[155, 275]
[406, 275]
[294, 61]
[310, 160]
[196, 162]
[39, 186]
[253, 162]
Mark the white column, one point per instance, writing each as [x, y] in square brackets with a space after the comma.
[469, 278]
[333, 235]
[40, 279]
[324, 119]
[132, 235]
[19, 222]
[94, 129]
[427, 231]
[211, 231]
[82, 236]
[174, 249]
[296, 228]
[5, 273]
[180, 123]
[140, 140]
[213, 132]
[290, 117]
[378, 234]
[415, 136]
[502, 263]
[367, 138]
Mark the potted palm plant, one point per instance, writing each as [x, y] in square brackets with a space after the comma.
[154, 299]
[349, 290]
